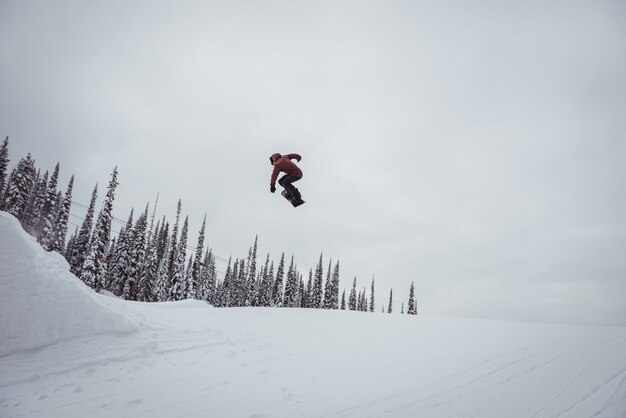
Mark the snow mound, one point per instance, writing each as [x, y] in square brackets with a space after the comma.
[41, 302]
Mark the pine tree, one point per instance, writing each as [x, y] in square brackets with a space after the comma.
[412, 306]
[291, 287]
[36, 198]
[49, 210]
[137, 245]
[390, 306]
[267, 282]
[71, 243]
[94, 269]
[81, 246]
[119, 269]
[178, 267]
[362, 303]
[19, 187]
[343, 300]
[163, 240]
[309, 291]
[223, 297]
[328, 288]
[207, 278]
[162, 286]
[242, 284]
[146, 286]
[334, 299]
[402, 309]
[277, 292]
[316, 292]
[352, 299]
[190, 291]
[197, 265]
[60, 225]
[4, 163]
[301, 293]
[372, 297]
[174, 243]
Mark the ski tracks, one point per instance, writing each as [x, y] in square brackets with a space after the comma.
[554, 379]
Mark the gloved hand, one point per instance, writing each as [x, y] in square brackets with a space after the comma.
[272, 189]
[299, 158]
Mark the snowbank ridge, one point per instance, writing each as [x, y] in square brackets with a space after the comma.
[41, 302]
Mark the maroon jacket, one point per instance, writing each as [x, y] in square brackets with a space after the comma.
[287, 166]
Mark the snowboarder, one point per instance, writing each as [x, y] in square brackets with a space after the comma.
[292, 174]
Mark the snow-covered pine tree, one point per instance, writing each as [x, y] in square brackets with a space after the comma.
[19, 187]
[81, 246]
[277, 291]
[223, 291]
[230, 285]
[264, 287]
[178, 266]
[163, 240]
[197, 265]
[49, 211]
[242, 284]
[412, 305]
[352, 301]
[36, 197]
[162, 286]
[71, 243]
[328, 288]
[343, 300]
[267, 283]
[334, 299]
[362, 305]
[94, 268]
[211, 269]
[147, 280]
[137, 255]
[390, 306]
[208, 278]
[174, 242]
[59, 230]
[291, 287]
[371, 309]
[190, 290]
[402, 309]
[119, 269]
[307, 302]
[4, 164]
[301, 292]
[316, 292]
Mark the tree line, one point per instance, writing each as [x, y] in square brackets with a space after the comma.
[149, 261]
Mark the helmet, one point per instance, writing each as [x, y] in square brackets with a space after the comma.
[274, 157]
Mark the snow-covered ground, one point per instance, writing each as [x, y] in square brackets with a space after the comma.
[68, 352]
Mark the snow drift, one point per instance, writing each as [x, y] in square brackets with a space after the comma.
[41, 302]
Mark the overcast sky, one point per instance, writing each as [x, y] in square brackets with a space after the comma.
[477, 149]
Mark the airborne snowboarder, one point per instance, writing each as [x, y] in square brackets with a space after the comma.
[283, 163]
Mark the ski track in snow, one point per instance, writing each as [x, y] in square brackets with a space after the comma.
[238, 369]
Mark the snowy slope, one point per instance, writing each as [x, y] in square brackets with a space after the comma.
[42, 302]
[187, 359]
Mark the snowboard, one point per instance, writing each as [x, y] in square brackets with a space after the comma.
[288, 196]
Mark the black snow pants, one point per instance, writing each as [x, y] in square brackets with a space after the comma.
[286, 181]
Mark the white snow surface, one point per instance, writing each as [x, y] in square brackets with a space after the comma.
[41, 301]
[68, 352]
